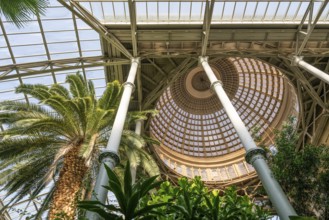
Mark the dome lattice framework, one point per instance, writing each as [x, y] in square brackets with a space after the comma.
[98, 38]
[197, 137]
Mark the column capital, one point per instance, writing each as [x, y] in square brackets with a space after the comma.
[109, 155]
[139, 120]
[295, 60]
[213, 84]
[132, 85]
[135, 60]
[203, 59]
[254, 154]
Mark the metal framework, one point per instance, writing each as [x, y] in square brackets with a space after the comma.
[51, 66]
[169, 36]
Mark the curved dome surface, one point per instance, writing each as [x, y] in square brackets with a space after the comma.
[196, 135]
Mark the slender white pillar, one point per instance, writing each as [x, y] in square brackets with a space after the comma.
[133, 169]
[110, 155]
[115, 137]
[254, 154]
[298, 61]
[138, 128]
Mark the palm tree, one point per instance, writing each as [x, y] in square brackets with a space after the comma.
[20, 11]
[132, 149]
[60, 142]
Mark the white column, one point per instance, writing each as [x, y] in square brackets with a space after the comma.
[254, 154]
[133, 169]
[110, 155]
[138, 128]
[311, 69]
[119, 121]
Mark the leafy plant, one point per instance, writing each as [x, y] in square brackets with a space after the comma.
[188, 199]
[20, 11]
[233, 206]
[304, 174]
[192, 200]
[129, 197]
[132, 148]
[301, 218]
[57, 140]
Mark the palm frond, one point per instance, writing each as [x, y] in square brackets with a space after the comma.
[150, 140]
[14, 117]
[34, 146]
[86, 110]
[13, 146]
[20, 11]
[55, 126]
[25, 178]
[133, 156]
[57, 89]
[91, 89]
[23, 106]
[88, 149]
[149, 165]
[111, 96]
[37, 91]
[45, 203]
[133, 140]
[67, 109]
[78, 86]
[107, 120]
[142, 115]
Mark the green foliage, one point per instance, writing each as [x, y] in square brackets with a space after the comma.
[20, 11]
[301, 218]
[129, 197]
[304, 174]
[192, 200]
[39, 137]
[233, 206]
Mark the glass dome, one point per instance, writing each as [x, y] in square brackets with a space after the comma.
[197, 137]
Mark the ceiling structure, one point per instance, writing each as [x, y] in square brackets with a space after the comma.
[197, 137]
[98, 38]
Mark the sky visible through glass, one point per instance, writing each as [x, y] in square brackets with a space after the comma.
[60, 35]
[193, 12]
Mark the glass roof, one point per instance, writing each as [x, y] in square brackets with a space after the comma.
[192, 122]
[117, 12]
[56, 36]
[60, 35]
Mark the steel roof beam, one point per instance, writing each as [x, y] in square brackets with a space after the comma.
[206, 25]
[44, 41]
[306, 84]
[78, 42]
[310, 26]
[148, 79]
[89, 19]
[157, 67]
[327, 67]
[17, 75]
[57, 65]
[167, 81]
[132, 15]
[191, 0]
[308, 117]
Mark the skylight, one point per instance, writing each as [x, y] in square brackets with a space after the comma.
[171, 12]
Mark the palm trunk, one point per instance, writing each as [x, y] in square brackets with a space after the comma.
[68, 186]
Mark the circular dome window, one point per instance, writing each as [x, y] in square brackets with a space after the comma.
[197, 137]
